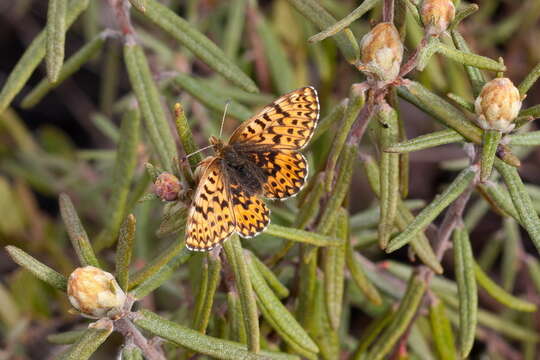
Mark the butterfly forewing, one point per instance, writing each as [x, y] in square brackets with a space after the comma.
[211, 218]
[287, 123]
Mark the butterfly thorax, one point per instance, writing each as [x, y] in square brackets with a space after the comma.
[241, 171]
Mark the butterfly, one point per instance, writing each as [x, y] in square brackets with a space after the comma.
[260, 160]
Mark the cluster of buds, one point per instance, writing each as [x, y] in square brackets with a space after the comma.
[437, 15]
[167, 187]
[498, 105]
[382, 53]
[94, 292]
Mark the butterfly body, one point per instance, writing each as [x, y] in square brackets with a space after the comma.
[261, 159]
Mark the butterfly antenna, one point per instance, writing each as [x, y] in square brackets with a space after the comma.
[196, 152]
[227, 103]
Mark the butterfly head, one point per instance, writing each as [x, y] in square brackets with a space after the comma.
[216, 143]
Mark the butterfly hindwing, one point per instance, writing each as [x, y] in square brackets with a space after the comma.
[286, 172]
[287, 123]
[251, 214]
[211, 218]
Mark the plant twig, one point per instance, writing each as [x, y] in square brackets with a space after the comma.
[125, 327]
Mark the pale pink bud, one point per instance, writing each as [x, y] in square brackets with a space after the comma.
[94, 292]
[498, 105]
[382, 52]
[167, 187]
[437, 15]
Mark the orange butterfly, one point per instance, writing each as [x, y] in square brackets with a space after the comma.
[261, 159]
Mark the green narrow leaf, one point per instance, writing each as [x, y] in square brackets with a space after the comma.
[56, 37]
[186, 136]
[401, 320]
[340, 190]
[467, 105]
[124, 251]
[531, 138]
[209, 97]
[430, 212]
[359, 277]
[462, 13]
[467, 293]
[490, 144]
[344, 23]
[372, 331]
[333, 265]
[427, 141]
[150, 104]
[77, 234]
[326, 122]
[511, 261]
[442, 331]
[307, 287]
[441, 110]
[202, 316]
[529, 80]
[197, 43]
[301, 236]
[388, 133]
[499, 294]
[176, 249]
[420, 243]
[66, 338]
[72, 65]
[237, 260]
[123, 174]
[111, 73]
[272, 280]
[131, 351]
[280, 68]
[203, 344]
[326, 337]
[355, 104]
[476, 76]
[463, 57]
[40, 270]
[10, 314]
[315, 13]
[499, 199]
[33, 55]
[235, 318]
[235, 25]
[88, 343]
[150, 280]
[521, 200]
[277, 314]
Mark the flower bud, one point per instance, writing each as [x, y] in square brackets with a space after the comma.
[498, 105]
[437, 15]
[94, 292]
[167, 187]
[382, 52]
